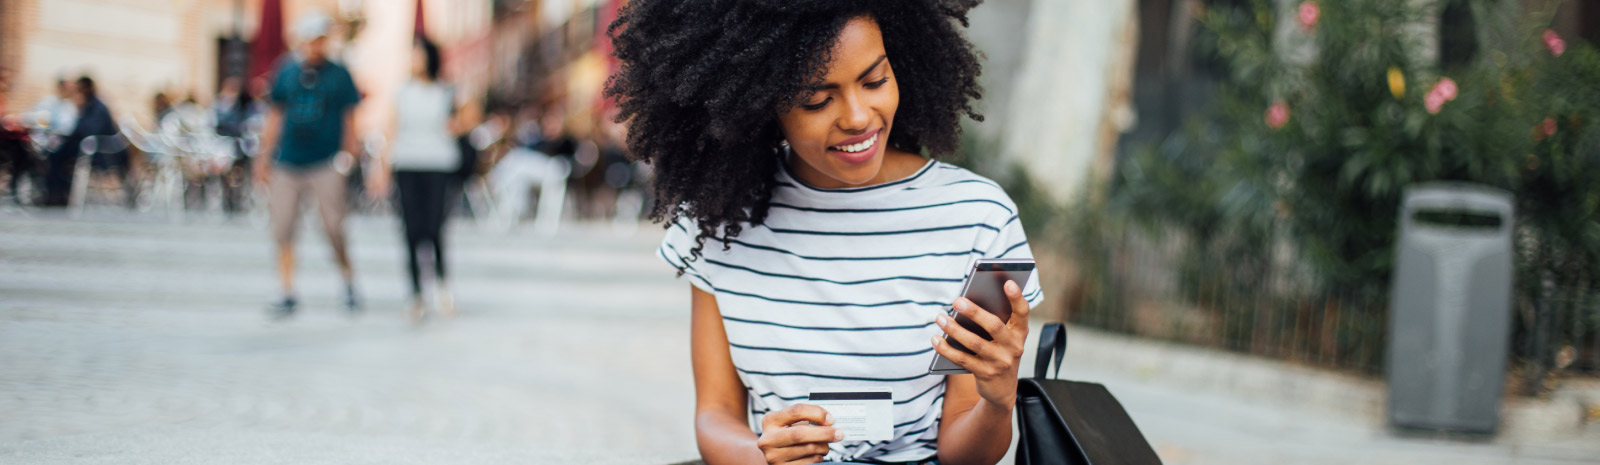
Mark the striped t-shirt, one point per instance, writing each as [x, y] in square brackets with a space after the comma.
[840, 287]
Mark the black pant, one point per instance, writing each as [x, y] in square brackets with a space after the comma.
[14, 152]
[58, 175]
[424, 200]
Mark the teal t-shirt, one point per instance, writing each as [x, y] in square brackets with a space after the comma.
[313, 100]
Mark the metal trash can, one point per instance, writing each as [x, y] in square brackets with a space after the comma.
[1450, 308]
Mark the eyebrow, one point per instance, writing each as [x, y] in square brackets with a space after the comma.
[858, 78]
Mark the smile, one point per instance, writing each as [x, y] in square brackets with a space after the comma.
[859, 146]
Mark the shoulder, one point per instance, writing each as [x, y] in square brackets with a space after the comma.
[287, 68]
[337, 69]
[953, 183]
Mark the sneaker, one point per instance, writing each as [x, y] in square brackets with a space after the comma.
[282, 309]
[417, 311]
[352, 304]
[447, 302]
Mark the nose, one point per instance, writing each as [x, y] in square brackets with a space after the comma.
[857, 115]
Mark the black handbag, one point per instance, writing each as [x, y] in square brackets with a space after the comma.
[1070, 422]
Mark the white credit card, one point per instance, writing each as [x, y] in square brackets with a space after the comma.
[863, 414]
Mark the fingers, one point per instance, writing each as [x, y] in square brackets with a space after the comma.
[797, 435]
[813, 435]
[794, 414]
[956, 356]
[988, 321]
[1019, 306]
[960, 334]
[802, 453]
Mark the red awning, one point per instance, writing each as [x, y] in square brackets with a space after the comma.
[419, 31]
[268, 45]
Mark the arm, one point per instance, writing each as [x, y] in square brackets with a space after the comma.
[467, 116]
[796, 435]
[976, 427]
[269, 144]
[351, 142]
[720, 425]
[380, 179]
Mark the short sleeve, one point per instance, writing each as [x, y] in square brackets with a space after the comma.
[1011, 242]
[676, 249]
[279, 95]
[351, 95]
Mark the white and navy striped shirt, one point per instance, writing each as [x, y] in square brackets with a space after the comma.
[840, 287]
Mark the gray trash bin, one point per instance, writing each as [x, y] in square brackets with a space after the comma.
[1450, 308]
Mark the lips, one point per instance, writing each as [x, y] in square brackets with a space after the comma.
[857, 149]
[855, 140]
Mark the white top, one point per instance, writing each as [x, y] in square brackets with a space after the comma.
[63, 113]
[840, 288]
[422, 140]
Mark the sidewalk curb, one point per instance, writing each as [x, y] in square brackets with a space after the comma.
[1550, 424]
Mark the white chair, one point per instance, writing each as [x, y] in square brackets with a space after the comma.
[83, 170]
[515, 176]
[164, 181]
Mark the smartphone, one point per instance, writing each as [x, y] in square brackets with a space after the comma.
[985, 287]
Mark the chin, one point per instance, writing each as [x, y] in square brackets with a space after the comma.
[861, 174]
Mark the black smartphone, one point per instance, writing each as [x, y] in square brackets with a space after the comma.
[985, 287]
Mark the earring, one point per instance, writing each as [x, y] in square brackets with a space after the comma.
[784, 144]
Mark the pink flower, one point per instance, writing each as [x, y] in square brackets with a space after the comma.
[1309, 12]
[1434, 102]
[1553, 42]
[1447, 88]
[1442, 92]
[1549, 127]
[1277, 115]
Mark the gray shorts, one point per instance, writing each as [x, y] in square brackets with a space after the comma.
[287, 191]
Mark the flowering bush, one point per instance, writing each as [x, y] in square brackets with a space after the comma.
[1523, 116]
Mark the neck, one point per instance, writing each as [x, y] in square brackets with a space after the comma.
[897, 164]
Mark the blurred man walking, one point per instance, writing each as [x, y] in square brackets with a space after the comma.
[310, 119]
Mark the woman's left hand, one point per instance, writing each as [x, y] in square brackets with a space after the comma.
[992, 363]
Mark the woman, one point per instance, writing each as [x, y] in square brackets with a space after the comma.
[423, 159]
[821, 246]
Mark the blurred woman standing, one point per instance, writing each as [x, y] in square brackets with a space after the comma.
[420, 163]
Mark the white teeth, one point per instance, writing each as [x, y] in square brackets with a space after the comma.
[857, 147]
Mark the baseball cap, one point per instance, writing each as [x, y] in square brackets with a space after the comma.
[311, 26]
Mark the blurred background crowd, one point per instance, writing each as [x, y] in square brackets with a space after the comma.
[183, 87]
[1226, 176]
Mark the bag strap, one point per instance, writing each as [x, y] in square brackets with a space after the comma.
[1052, 350]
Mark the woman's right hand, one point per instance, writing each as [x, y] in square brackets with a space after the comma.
[797, 435]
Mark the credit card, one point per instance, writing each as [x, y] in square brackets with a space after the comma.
[863, 414]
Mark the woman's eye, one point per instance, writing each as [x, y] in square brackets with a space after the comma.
[878, 83]
[818, 105]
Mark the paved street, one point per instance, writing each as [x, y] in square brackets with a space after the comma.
[131, 339]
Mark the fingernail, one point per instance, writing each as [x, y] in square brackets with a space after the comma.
[936, 341]
[961, 305]
[828, 418]
[838, 435]
[1011, 287]
[940, 320]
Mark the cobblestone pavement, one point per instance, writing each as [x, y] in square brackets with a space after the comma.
[131, 339]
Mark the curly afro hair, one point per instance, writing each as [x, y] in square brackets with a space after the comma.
[703, 82]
